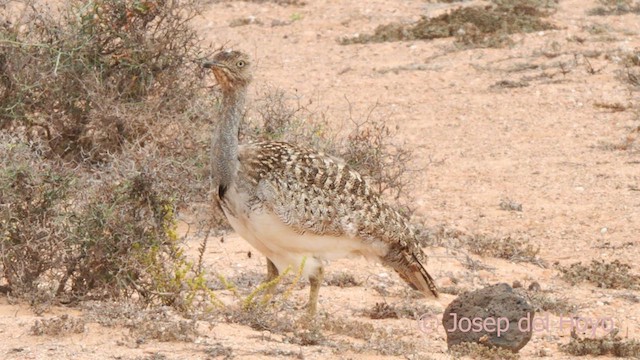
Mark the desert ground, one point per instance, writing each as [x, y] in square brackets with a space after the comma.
[548, 122]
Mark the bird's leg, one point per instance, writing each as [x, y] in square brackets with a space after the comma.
[272, 274]
[315, 281]
[272, 270]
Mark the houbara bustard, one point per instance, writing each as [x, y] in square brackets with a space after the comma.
[294, 204]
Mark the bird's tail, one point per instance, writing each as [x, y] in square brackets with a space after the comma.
[410, 264]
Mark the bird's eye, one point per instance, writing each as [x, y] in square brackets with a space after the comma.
[240, 64]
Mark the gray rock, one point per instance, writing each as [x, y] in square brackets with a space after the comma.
[493, 316]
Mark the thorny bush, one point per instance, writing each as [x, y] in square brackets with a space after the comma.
[102, 108]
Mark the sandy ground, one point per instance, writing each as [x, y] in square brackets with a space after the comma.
[545, 146]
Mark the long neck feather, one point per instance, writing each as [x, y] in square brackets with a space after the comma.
[224, 146]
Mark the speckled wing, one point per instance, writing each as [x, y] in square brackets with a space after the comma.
[313, 192]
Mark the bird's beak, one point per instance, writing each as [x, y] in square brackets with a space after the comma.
[211, 64]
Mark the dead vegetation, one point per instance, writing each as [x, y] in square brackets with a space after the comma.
[279, 2]
[58, 326]
[343, 279]
[607, 275]
[406, 310]
[379, 340]
[219, 351]
[100, 123]
[615, 7]
[516, 247]
[488, 26]
[547, 301]
[479, 351]
[610, 344]
[368, 143]
[157, 326]
[510, 205]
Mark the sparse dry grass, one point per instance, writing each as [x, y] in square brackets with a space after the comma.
[279, 2]
[101, 111]
[479, 351]
[159, 323]
[378, 340]
[517, 249]
[370, 145]
[488, 26]
[548, 301]
[406, 310]
[608, 275]
[58, 326]
[343, 279]
[219, 351]
[615, 7]
[610, 344]
[163, 329]
[611, 106]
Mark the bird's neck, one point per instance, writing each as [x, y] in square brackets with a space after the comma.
[224, 147]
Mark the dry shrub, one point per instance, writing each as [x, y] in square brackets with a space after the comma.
[547, 301]
[160, 325]
[92, 77]
[611, 106]
[265, 307]
[281, 117]
[281, 353]
[379, 340]
[111, 313]
[488, 26]
[610, 344]
[342, 279]
[381, 311]
[406, 309]
[371, 148]
[608, 275]
[58, 326]
[219, 351]
[102, 111]
[512, 248]
[631, 72]
[72, 238]
[480, 351]
[616, 7]
[370, 145]
[510, 205]
[279, 2]
[32, 194]
[556, 305]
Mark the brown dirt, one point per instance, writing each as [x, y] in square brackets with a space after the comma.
[548, 145]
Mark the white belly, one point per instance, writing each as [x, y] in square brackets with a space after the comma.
[287, 248]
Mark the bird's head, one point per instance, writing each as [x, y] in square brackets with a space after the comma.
[232, 69]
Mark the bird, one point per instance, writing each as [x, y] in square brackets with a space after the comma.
[298, 206]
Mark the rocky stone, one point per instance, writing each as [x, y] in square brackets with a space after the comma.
[493, 316]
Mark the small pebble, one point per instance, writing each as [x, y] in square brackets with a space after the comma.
[535, 286]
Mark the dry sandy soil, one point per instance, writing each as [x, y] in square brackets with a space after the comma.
[547, 146]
